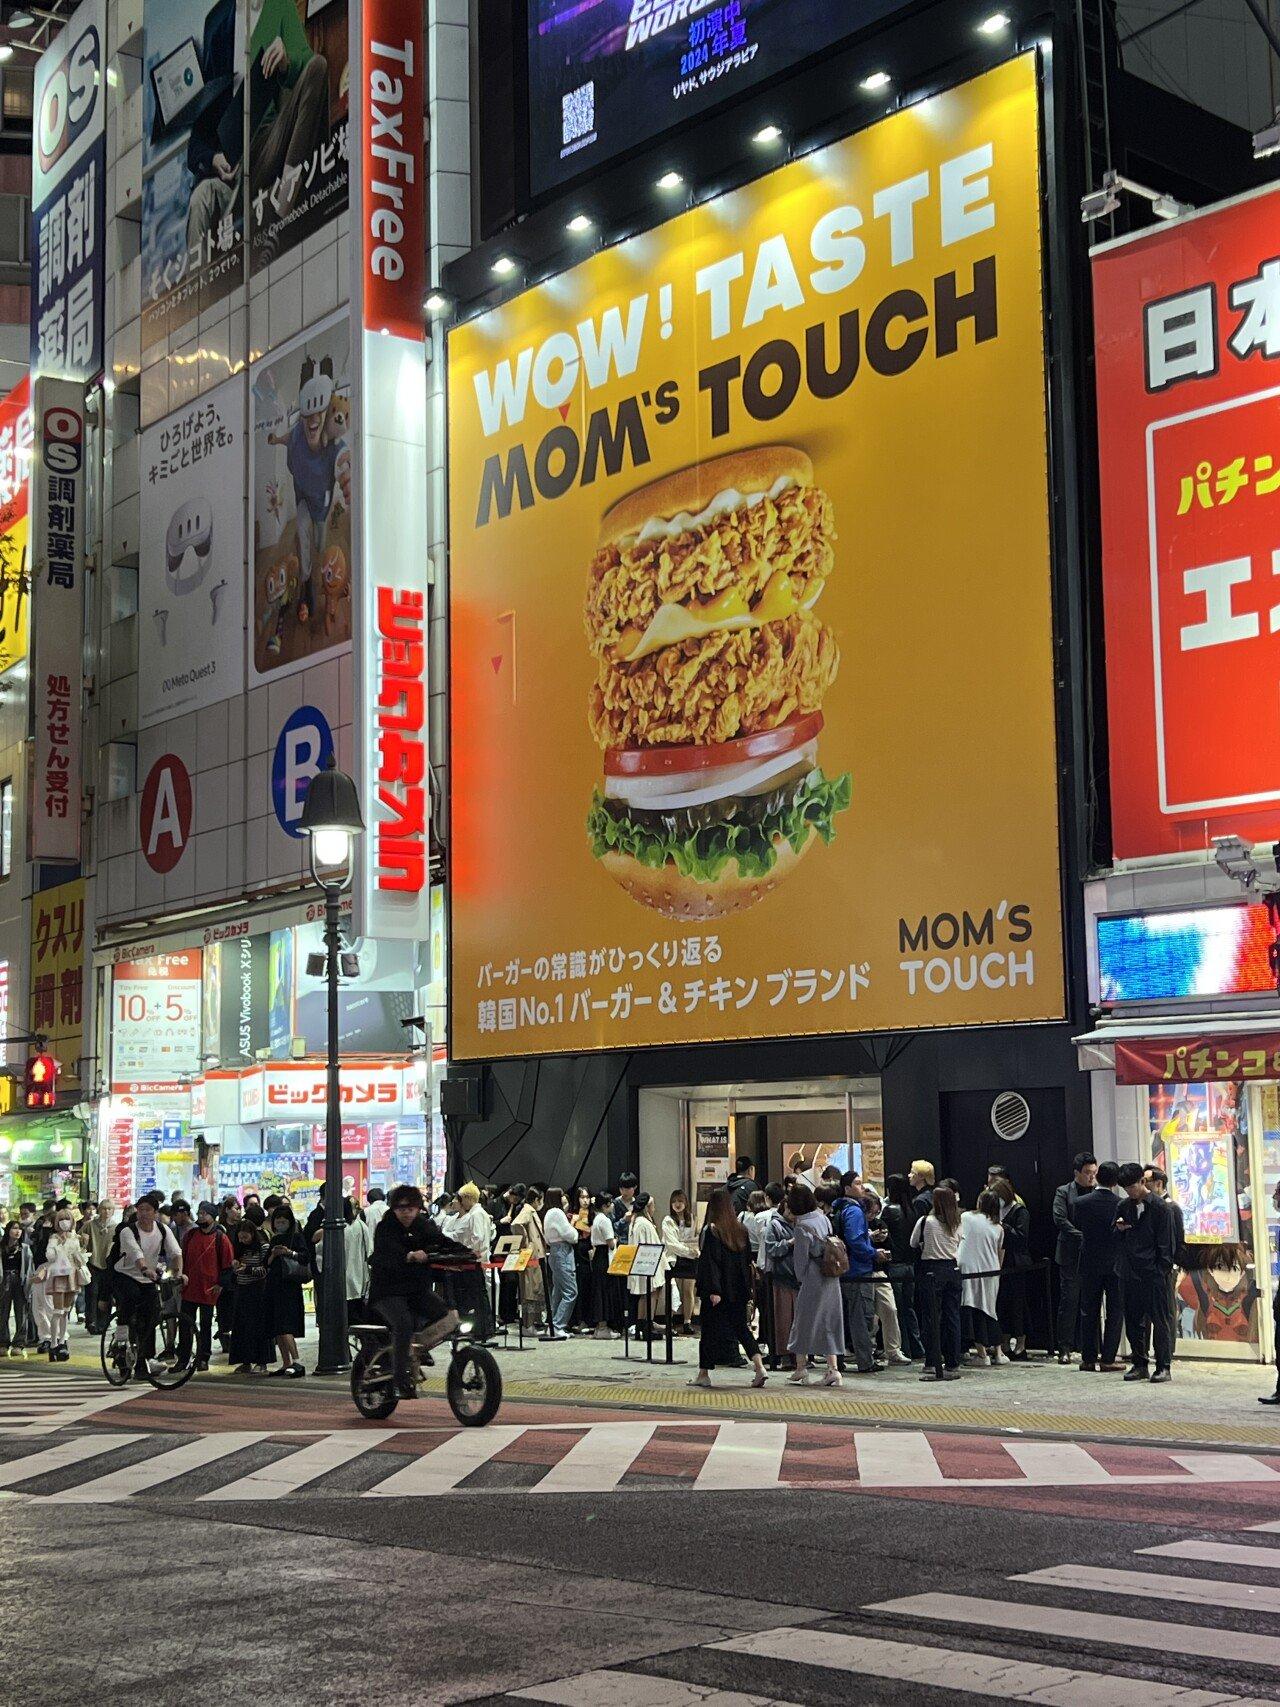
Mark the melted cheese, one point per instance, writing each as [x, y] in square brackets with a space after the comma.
[670, 624]
[667, 527]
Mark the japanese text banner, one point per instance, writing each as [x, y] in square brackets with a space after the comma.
[1198, 1060]
[786, 455]
[1188, 326]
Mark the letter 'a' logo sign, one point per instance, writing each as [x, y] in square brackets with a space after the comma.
[166, 813]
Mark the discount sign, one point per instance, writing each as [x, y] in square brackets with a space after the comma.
[155, 1017]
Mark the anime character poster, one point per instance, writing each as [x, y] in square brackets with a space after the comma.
[303, 434]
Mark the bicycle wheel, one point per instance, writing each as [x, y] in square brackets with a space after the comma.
[176, 1370]
[372, 1386]
[473, 1386]
[116, 1357]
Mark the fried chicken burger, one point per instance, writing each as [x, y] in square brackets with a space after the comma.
[711, 670]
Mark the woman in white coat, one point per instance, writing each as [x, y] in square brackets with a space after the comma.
[63, 1272]
[980, 1255]
[643, 1232]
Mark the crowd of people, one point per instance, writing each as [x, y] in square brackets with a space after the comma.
[815, 1275]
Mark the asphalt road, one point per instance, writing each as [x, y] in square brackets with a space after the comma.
[211, 1581]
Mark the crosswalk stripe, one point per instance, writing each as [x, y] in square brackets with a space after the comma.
[605, 1689]
[963, 1673]
[1226, 1466]
[1153, 1585]
[1217, 1552]
[60, 1456]
[1060, 1462]
[744, 1455]
[441, 1469]
[1084, 1627]
[151, 1472]
[896, 1460]
[306, 1464]
[598, 1461]
[1264, 1529]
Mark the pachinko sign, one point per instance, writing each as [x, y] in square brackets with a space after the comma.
[750, 611]
[1188, 329]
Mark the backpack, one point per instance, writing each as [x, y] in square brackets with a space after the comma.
[833, 1254]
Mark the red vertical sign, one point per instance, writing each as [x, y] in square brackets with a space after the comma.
[392, 186]
[1188, 332]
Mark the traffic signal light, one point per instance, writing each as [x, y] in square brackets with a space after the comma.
[40, 1081]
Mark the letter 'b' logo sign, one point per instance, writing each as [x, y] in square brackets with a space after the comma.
[166, 813]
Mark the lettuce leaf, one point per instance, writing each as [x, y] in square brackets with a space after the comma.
[701, 843]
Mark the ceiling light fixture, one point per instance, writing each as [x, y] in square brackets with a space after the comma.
[876, 80]
[503, 267]
[580, 224]
[670, 181]
[767, 135]
[995, 25]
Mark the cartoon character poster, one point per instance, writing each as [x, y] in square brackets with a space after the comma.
[303, 432]
[191, 559]
[1199, 1170]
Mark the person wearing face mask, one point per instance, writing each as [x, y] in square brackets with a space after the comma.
[60, 1275]
[206, 1256]
[288, 1265]
[41, 1232]
[15, 1282]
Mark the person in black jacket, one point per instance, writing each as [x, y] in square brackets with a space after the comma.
[742, 1184]
[900, 1217]
[288, 1265]
[1094, 1216]
[1066, 1254]
[1148, 1244]
[1158, 1180]
[724, 1286]
[400, 1289]
[1011, 1302]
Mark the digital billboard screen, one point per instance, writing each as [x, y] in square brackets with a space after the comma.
[606, 76]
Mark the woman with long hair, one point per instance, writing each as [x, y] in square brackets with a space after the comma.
[603, 1240]
[288, 1267]
[682, 1253]
[981, 1251]
[937, 1238]
[724, 1287]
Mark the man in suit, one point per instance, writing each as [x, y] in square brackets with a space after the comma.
[1094, 1216]
[1067, 1252]
[1158, 1180]
[1148, 1243]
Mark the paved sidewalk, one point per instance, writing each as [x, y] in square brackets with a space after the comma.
[1207, 1403]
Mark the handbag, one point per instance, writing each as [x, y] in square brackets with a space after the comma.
[292, 1269]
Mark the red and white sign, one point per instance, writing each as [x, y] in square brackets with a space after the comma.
[17, 439]
[389, 493]
[1188, 332]
[355, 1142]
[165, 813]
[288, 1091]
[119, 1162]
[155, 1017]
[59, 500]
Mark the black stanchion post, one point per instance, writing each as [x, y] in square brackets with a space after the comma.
[667, 1318]
[648, 1326]
[935, 1323]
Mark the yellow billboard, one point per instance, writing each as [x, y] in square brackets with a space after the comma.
[15, 589]
[751, 667]
[58, 956]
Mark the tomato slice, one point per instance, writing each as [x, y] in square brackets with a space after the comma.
[657, 761]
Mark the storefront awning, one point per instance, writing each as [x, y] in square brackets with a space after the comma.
[1192, 1049]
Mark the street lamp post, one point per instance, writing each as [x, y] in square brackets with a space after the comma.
[331, 820]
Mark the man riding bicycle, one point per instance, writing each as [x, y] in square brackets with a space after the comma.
[400, 1289]
[146, 1248]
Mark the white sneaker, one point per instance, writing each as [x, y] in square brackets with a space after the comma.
[799, 1379]
[833, 1378]
[900, 1358]
[155, 1366]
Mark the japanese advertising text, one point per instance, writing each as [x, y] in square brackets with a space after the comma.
[786, 457]
[56, 1008]
[1188, 329]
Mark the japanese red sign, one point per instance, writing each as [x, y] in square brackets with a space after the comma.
[1198, 1060]
[1188, 329]
[392, 891]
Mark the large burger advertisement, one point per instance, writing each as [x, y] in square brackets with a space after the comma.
[752, 704]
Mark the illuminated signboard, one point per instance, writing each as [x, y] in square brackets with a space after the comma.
[1202, 951]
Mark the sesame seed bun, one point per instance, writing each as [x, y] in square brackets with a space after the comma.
[667, 891]
[692, 489]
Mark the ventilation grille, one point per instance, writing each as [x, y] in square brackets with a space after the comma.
[1010, 1115]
